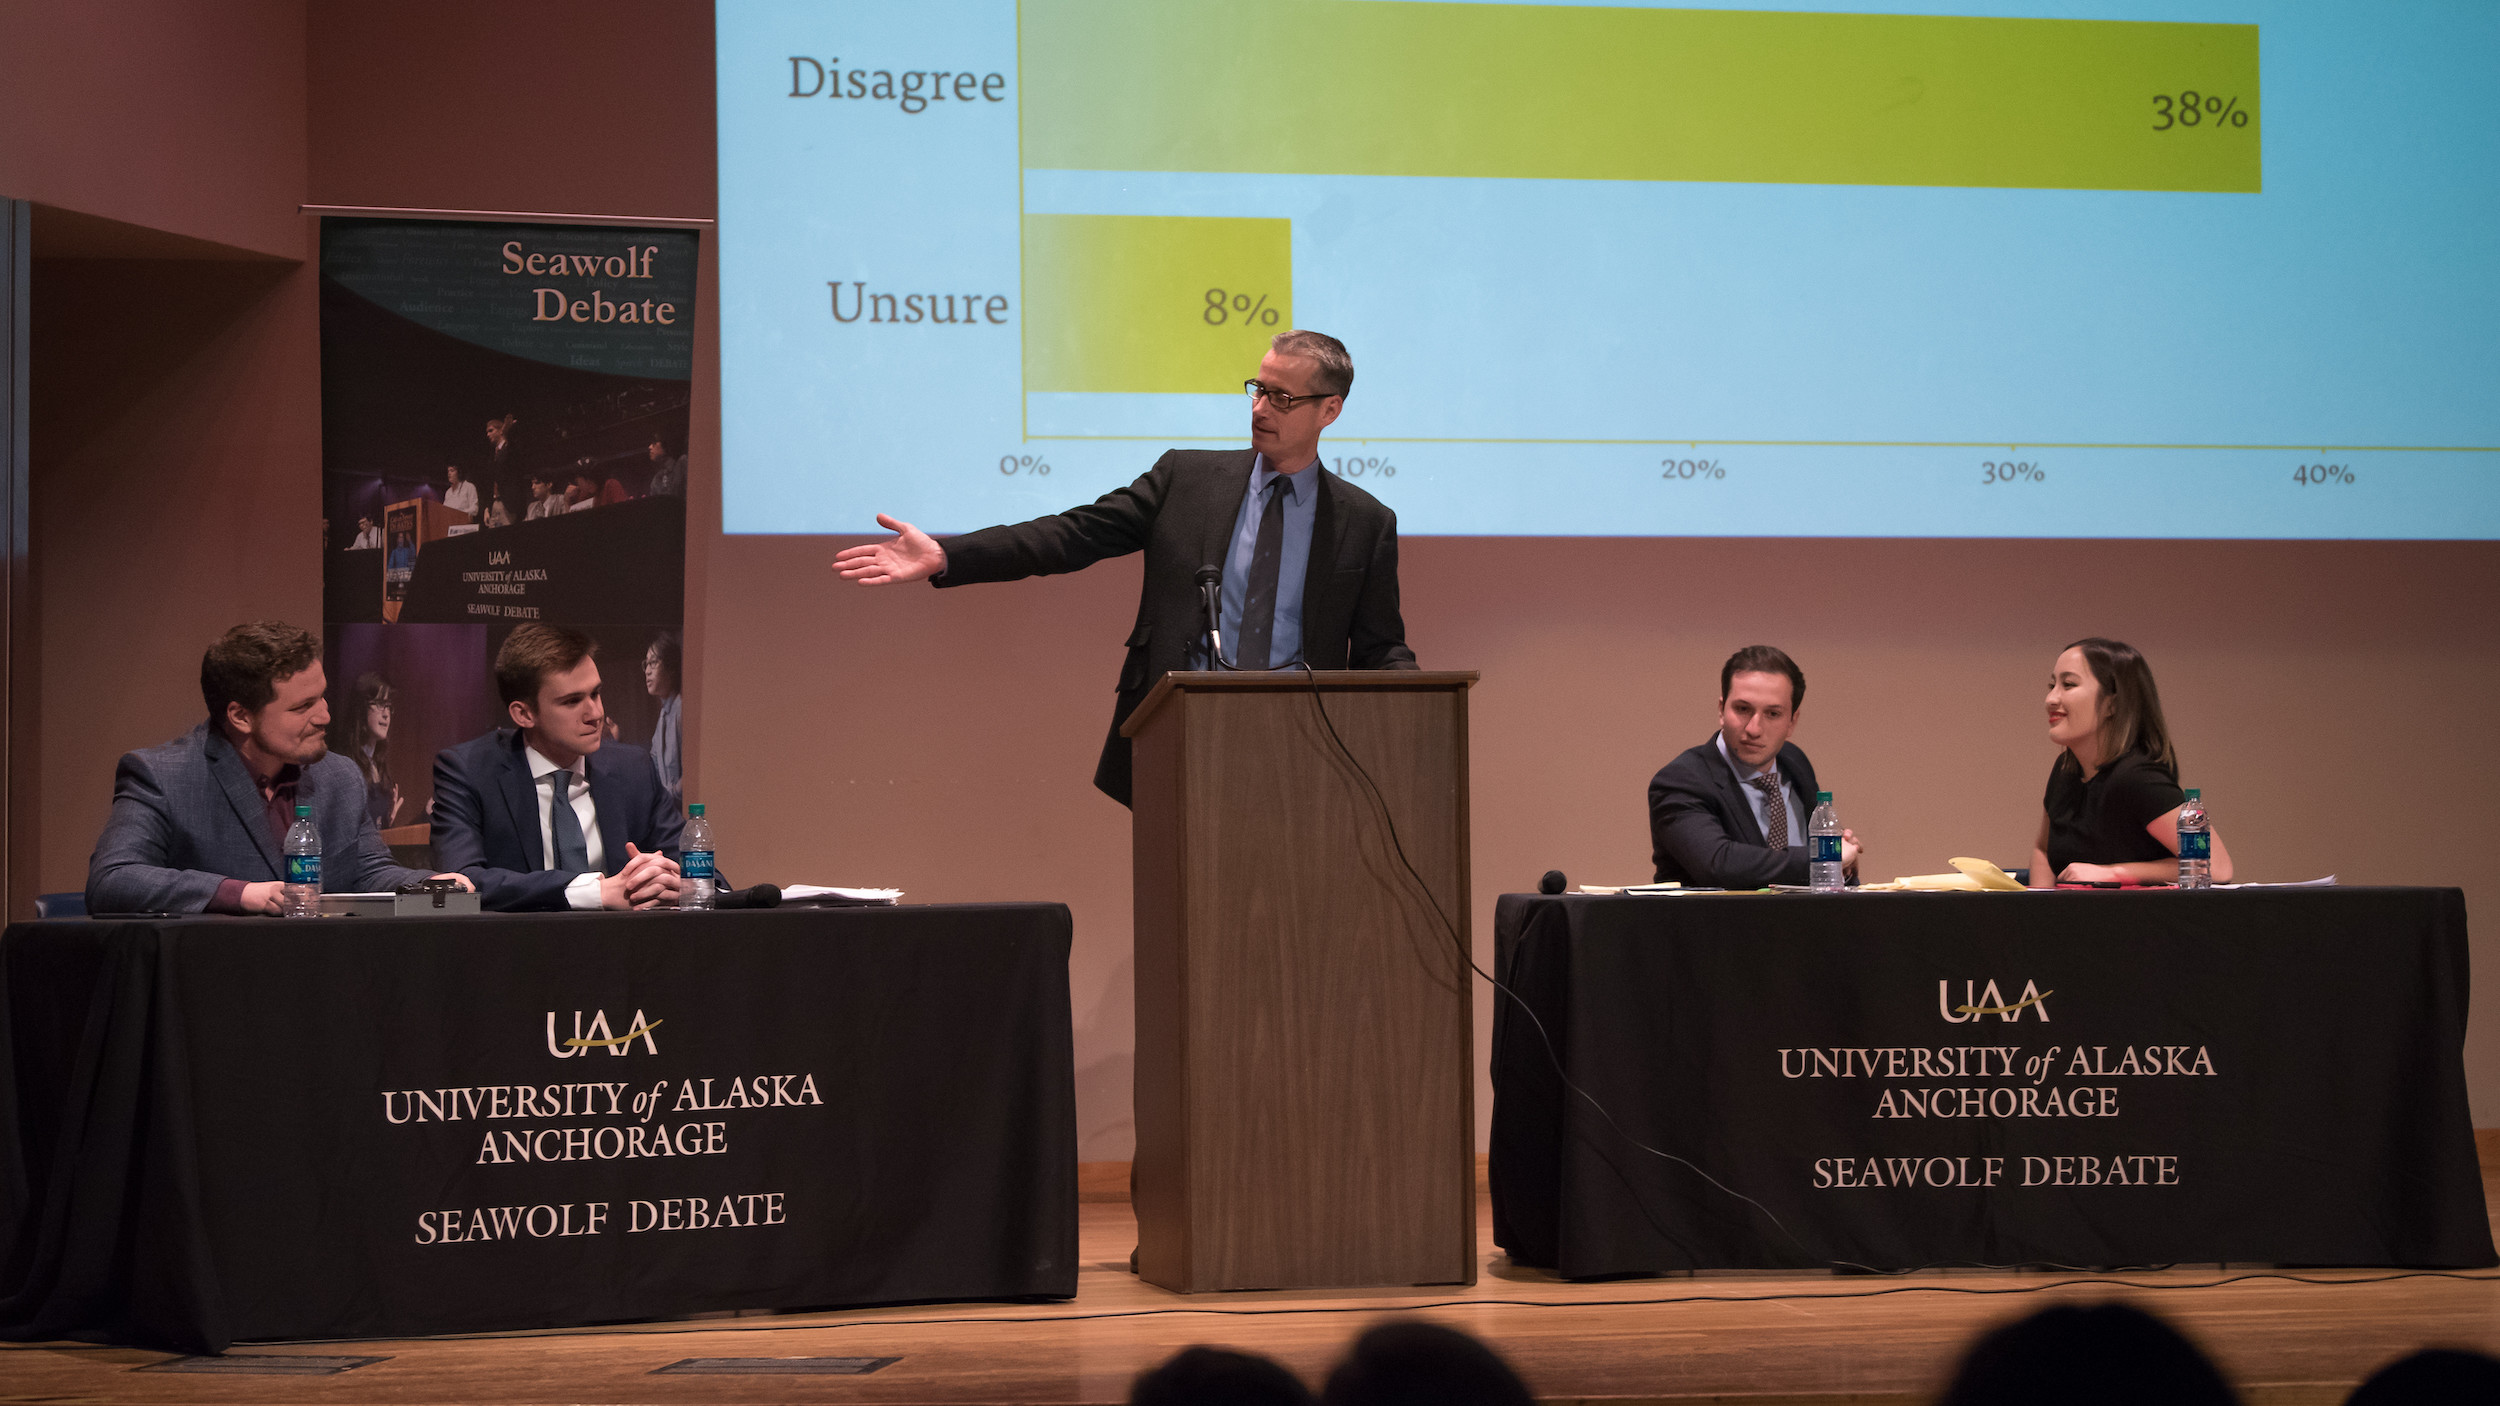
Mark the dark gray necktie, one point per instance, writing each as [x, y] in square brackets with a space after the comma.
[572, 851]
[1774, 809]
[1258, 605]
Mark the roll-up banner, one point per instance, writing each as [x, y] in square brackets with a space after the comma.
[503, 441]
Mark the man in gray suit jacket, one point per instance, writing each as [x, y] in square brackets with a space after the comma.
[1308, 563]
[199, 824]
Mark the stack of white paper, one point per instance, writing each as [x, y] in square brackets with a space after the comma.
[818, 896]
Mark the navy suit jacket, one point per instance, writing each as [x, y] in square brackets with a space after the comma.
[1181, 515]
[1702, 830]
[486, 817]
[187, 816]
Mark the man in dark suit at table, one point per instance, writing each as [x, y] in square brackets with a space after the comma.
[1308, 561]
[199, 824]
[548, 814]
[1732, 812]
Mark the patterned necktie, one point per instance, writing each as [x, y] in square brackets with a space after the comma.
[1774, 809]
[1258, 605]
[572, 851]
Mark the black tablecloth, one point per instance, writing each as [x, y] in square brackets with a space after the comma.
[222, 1129]
[2270, 1075]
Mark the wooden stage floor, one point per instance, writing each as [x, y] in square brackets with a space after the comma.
[1758, 1338]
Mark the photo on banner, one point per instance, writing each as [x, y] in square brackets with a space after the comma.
[504, 421]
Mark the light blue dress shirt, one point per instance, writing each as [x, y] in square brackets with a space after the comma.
[1798, 811]
[1301, 492]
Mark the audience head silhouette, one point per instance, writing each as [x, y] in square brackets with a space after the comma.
[2437, 1377]
[1422, 1364]
[1211, 1376]
[2072, 1355]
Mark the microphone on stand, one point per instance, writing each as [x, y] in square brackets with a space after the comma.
[1210, 601]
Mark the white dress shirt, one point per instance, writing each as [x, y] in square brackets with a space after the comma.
[583, 892]
[462, 495]
[369, 539]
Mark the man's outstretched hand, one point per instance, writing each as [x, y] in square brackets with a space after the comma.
[910, 555]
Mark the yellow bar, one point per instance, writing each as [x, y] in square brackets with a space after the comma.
[1152, 303]
[1390, 88]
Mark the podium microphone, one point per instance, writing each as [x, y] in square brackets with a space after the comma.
[759, 896]
[1210, 601]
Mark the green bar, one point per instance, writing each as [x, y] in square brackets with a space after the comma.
[1166, 304]
[1390, 88]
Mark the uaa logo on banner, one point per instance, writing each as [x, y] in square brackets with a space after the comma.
[1976, 1002]
[597, 1035]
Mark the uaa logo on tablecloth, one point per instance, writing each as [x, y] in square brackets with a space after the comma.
[1977, 1002]
[597, 1035]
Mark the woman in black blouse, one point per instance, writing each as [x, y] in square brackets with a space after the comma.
[2112, 810]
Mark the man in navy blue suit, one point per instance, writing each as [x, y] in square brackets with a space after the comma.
[548, 814]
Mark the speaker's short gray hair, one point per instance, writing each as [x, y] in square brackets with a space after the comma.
[1336, 365]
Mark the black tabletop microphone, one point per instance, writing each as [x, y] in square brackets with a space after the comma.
[760, 896]
[1553, 882]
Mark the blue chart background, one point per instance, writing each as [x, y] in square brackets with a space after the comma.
[2205, 347]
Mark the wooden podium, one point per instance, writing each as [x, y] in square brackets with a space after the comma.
[1305, 1092]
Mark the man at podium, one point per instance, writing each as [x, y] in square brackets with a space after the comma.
[1307, 562]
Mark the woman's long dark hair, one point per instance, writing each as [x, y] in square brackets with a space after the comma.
[355, 730]
[2135, 722]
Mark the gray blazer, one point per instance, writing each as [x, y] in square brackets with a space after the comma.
[187, 816]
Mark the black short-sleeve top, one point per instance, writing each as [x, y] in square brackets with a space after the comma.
[2101, 821]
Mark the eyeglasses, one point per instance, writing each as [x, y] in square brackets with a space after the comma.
[1283, 401]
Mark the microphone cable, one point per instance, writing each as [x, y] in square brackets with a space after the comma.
[1545, 1038]
[1389, 826]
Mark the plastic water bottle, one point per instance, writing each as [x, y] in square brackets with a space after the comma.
[694, 861]
[2196, 843]
[301, 897]
[1823, 847]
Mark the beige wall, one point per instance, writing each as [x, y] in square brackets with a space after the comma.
[943, 741]
[176, 473]
[167, 114]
